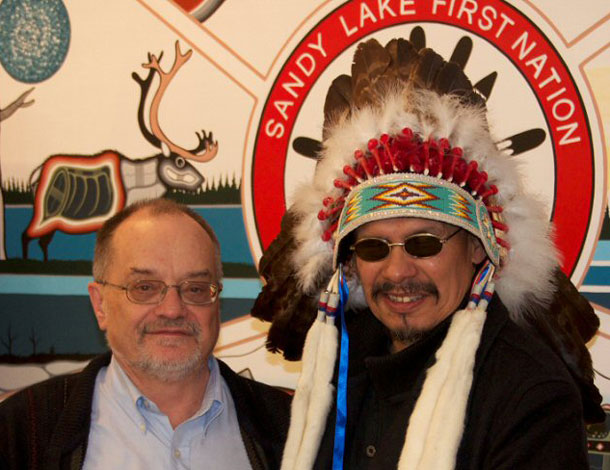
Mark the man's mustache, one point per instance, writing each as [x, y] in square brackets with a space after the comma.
[162, 323]
[407, 288]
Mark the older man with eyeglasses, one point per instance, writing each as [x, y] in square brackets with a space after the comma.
[420, 284]
[160, 399]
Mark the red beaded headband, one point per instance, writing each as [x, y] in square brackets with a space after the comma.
[408, 152]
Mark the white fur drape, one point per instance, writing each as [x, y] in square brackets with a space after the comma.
[437, 422]
[313, 397]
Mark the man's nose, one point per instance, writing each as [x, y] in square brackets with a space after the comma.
[398, 265]
[172, 305]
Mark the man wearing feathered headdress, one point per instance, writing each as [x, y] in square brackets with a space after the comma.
[458, 342]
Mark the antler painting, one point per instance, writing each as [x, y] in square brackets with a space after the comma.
[75, 194]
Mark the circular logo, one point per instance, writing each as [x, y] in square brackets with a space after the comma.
[34, 38]
[535, 109]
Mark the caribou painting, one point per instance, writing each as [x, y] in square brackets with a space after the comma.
[76, 194]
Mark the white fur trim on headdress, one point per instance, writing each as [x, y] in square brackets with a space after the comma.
[314, 394]
[524, 276]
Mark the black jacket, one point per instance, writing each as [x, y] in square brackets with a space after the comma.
[46, 426]
[524, 410]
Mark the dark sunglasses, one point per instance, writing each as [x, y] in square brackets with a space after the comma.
[419, 245]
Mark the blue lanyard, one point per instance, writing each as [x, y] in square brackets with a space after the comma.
[341, 421]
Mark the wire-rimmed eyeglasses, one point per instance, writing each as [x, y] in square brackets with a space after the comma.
[153, 291]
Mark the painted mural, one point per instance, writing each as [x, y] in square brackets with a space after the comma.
[217, 104]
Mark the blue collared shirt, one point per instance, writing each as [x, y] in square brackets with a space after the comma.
[129, 431]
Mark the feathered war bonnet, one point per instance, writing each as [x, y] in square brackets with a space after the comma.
[408, 120]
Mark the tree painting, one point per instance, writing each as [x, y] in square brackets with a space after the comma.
[5, 113]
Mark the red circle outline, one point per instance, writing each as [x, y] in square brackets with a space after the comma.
[573, 163]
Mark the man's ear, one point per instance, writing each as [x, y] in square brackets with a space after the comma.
[350, 270]
[478, 252]
[97, 302]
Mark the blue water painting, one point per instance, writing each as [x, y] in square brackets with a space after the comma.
[227, 222]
